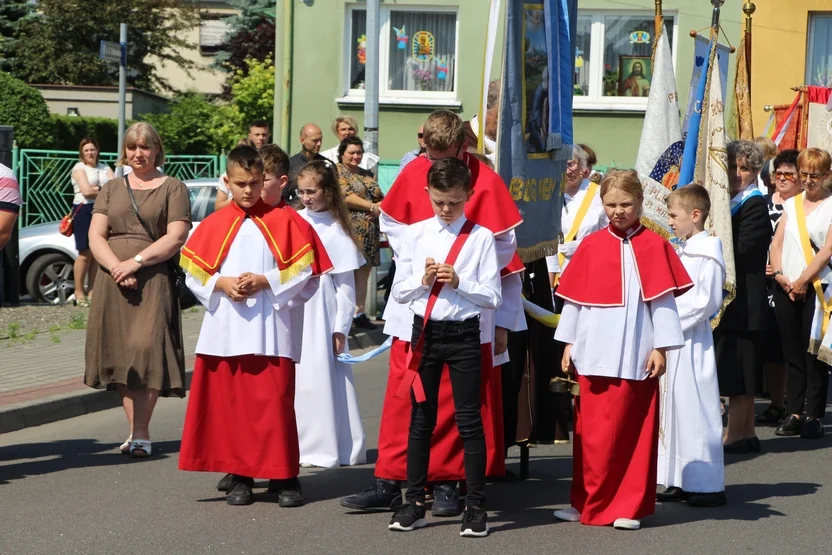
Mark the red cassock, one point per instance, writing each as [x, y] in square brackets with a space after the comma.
[616, 438]
[492, 207]
[241, 410]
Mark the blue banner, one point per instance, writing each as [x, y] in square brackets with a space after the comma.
[535, 136]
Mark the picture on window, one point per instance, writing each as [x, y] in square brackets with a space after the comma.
[536, 79]
[634, 75]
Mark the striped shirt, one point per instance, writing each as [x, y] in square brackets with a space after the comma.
[10, 200]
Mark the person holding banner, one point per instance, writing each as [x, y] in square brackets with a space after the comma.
[741, 331]
[800, 254]
[492, 207]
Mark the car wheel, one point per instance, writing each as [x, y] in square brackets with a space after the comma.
[50, 279]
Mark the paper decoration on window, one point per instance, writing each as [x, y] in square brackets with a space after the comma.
[401, 38]
[639, 37]
[579, 59]
[442, 68]
[362, 49]
[423, 46]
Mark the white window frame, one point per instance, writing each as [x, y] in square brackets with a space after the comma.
[595, 100]
[386, 95]
[810, 44]
[209, 16]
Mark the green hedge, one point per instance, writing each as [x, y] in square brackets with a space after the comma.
[24, 108]
[69, 130]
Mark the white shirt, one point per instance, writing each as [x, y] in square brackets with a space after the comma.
[96, 177]
[259, 325]
[817, 225]
[476, 266]
[616, 342]
[594, 220]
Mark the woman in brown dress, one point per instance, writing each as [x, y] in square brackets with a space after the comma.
[134, 336]
[362, 195]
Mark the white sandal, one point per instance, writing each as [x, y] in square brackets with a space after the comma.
[140, 448]
[125, 447]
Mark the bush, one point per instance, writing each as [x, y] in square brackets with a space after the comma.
[24, 108]
[194, 125]
[69, 130]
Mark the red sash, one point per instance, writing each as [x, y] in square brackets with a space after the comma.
[411, 377]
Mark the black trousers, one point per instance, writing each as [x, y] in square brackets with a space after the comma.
[808, 377]
[456, 344]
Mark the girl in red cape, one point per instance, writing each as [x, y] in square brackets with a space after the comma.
[618, 321]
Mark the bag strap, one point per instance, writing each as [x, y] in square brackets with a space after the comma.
[808, 255]
[411, 378]
[136, 210]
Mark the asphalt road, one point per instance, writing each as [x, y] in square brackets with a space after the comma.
[65, 489]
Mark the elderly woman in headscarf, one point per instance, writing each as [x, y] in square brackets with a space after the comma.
[739, 338]
[343, 127]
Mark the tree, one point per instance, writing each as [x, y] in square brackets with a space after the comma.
[24, 108]
[60, 45]
[12, 15]
[252, 92]
[251, 36]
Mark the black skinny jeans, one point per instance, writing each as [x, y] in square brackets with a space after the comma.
[808, 377]
[456, 344]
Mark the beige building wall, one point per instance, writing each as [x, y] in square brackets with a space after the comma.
[101, 102]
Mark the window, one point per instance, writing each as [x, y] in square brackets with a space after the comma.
[212, 31]
[417, 55]
[613, 60]
[819, 56]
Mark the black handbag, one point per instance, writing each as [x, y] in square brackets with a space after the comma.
[185, 298]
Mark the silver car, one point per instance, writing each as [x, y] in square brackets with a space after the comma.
[46, 256]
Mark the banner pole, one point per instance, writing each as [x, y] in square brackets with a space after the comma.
[748, 9]
[659, 19]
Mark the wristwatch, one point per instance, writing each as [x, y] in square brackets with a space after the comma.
[138, 258]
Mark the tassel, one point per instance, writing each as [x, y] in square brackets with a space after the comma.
[297, 267]
[192, 268]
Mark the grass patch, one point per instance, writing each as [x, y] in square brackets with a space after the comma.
[79, 322]
[14, 330]
[55, 338]
[54, 327]
[31, 335]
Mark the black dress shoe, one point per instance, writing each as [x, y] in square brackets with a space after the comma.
[363, 322]
[754, 445]
[240, 492]
[791, 426]
[288, 492]
[737, 448]
[772, 416]
[708, 499]
[225, 483]
[672, 495]
[812, 429]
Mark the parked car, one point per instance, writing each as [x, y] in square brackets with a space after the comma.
[46, 256]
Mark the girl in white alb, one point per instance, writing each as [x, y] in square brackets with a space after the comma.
[329, 424]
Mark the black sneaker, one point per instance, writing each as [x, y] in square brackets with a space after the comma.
[362, 322]
[240, 492]
[474, 523]
[288, 492]
[225, 483]
[812, 429]
[446, 501]
[791, 426]
[381, 495]
[409, 517]
[708, 499]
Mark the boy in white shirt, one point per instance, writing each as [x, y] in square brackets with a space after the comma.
[446, 299]
[691, 463]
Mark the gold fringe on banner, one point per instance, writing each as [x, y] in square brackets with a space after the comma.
[541, 250]
[731, 293]
[653, 226]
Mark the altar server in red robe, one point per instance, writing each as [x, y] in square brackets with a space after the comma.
[491, 207]
[245, 263]
[618, 321]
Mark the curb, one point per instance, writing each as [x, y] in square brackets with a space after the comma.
[69, 405]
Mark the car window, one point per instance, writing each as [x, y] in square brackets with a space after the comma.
[202, 201]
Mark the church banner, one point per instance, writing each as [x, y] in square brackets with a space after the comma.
[535, 136]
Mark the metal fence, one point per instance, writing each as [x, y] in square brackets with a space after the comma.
[46, 186]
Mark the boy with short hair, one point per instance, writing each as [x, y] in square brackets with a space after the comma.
[448, 275]
[246, 263]
[691, 463]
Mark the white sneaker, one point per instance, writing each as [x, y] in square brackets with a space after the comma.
[626, 524]
[307, 465]
[569, 515]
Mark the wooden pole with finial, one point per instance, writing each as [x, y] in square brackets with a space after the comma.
[659, 19]
[748, 9]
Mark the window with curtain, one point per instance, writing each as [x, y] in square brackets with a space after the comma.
[417, 51]
[613, 59]
[212, 31]
[819, 50]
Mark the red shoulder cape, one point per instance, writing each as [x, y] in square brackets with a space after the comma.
[322, 264]
[594, 276]
[205, 251]
[491, 205]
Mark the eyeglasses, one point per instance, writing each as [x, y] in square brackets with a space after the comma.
[431, 159]
[811, 176]
[785, 176]
[572, 164]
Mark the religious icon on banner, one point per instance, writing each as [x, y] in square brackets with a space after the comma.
[535, 81]
[634, 75]
[401, 38]
[442, 68]
[362, 50]
[423, 46]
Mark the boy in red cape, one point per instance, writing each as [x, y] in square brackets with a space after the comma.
[246, 263]
[618, 321]
[492, 207]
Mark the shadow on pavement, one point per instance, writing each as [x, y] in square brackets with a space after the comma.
[58, 456]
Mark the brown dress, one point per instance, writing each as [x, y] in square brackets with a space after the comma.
[364, 185]
[134, 337]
